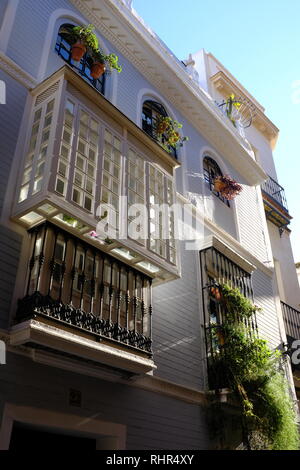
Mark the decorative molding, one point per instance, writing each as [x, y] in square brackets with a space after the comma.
[109, 435]
[16, 72]
[171, 389]
[7, 23]
[212, 241]
[227, 86]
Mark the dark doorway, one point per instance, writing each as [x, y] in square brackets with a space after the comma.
[24, 437]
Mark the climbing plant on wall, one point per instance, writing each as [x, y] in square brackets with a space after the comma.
[254, 374]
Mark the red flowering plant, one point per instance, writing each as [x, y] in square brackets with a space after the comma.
[227, 186]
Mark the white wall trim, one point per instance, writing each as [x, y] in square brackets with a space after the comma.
[16, 72]
[210, 152]
[108, 435]
[60, 13]
[150, 93]
[7, 23]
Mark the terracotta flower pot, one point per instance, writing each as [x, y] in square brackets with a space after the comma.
[78, 50]
[221, 338]
[162, 127]
[216, 293]
[219, 186]
[97, 69]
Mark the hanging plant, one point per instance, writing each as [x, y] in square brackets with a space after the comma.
[84, 40]
[227, 186]
[81, 38]
[103, 63]
[167, 133]
[254, 375]
[232, 108]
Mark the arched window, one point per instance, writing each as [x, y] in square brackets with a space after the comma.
[210, 171]
[151, 111]
[83, 67]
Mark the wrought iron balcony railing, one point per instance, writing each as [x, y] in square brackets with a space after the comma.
[79, 287]
[291, 318]
[275, 191]
[275, 204]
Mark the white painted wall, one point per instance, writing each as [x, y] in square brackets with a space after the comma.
[282, 252]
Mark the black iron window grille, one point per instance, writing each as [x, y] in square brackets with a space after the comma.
[150, 113]
[210, 171]
[79, 286]
[216, 270]
[83, 67]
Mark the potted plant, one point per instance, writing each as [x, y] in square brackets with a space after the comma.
[232, 105]
[112, 61]
[167, 132]
[98, 66]
[219, 184]
[83, 38]
[227, 186]
[216, 292]
[103, 62]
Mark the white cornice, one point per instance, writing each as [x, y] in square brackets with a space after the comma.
[242, 89]
[155, 61]
[227, 85]
[16, 72]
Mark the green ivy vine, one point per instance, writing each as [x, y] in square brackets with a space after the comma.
[254, 375]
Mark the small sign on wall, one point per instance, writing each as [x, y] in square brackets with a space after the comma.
[74, 397]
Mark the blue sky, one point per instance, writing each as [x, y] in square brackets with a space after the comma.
[259, 42]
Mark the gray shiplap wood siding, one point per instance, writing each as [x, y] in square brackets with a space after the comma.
[153, 421]
[176, 327]
[26, 43]
[267, 319]
[11, 116]
[10, 246]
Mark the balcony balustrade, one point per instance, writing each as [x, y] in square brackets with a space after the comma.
[275, 203]
[80, 288]
[291, 318]
[274, 190]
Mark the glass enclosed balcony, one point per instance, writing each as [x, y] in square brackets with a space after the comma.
[82, 154]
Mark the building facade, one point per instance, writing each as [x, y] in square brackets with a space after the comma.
[106, 338]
